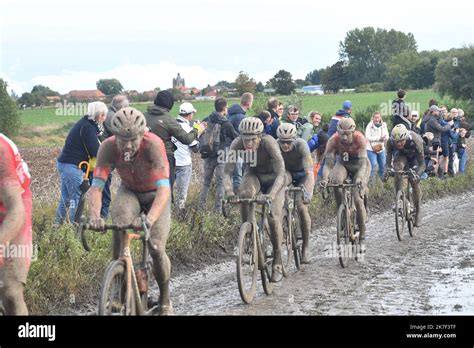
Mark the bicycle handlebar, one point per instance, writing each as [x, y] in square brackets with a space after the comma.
[83, 227]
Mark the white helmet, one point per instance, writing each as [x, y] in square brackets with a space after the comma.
[400, 132]
[251, 126]
[128, 123]
[286, 131]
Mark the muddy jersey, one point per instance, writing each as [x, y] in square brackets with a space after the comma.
[298, 161]
[350, 151]
[139, 173]
[413, 151]
[14, 172]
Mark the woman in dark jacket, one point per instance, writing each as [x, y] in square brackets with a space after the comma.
[82, 144]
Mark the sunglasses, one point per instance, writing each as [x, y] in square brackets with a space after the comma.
[287, 142]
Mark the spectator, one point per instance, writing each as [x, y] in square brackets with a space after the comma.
[344, 112]
[160, 122]
[182, 155]
[118, 102]
[431, 156]
[426, 114]
[400, 110]
[236, 115]
[433, 125]
[265, 117]
[215, 164]
[376, 133]
[312, 127]
[462, 150]
[293, 117]
[82, 144]
[415, 122]
[275, 110]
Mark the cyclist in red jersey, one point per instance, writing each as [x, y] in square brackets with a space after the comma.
[350, 146]
[139, 157]
[15, 227]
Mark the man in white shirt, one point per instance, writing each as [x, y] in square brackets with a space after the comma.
[182, 156]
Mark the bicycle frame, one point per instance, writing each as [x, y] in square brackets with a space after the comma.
[348, 202]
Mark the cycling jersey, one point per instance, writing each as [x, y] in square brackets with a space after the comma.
[140, 173]
[298, 161]
[349, 151]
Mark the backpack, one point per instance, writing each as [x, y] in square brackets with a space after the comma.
[210, 140]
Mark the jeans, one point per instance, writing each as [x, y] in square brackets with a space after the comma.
[376, 158]
[71, 178]
[212, 165]
[183, 178]
[462, 159]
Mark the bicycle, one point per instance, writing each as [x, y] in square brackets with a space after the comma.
[124, 290]
[346, 225]
[292, 232]
[405, 211]
[254, 250]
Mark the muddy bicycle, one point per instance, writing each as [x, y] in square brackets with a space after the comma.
[292, 232]
[405, 211]
[347, 230]
[124, 289]
[254, 250]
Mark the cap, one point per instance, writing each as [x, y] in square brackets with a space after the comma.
[186, 108]
[347, 105]
[434, 108]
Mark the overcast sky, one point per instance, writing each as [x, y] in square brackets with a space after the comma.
[71, 44]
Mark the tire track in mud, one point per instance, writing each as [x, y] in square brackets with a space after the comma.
[431, 273]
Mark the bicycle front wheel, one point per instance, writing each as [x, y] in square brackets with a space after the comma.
[267, 252]
[247, 262]
[297, 240]
[113, 299]
[400, 214]
[344, 244]
[410, 211]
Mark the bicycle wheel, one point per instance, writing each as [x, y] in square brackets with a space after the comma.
[400, 216]
[297, 240]
[267, 253]
[247, 264]
[344, 245]
[325, 193]
[286, 246]
[410, 211]
[113, 291]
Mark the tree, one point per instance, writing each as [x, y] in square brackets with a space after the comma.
[26, 99]
[260, 87]
[366, 51]
[225, 84]
[243, 83]
[205, 90]
[109, 86]
[9, 116]
[299, 83]
[44, 91]
[334, 77]
[454, 74]
[314, 77]
[177, 94]
[283, 83]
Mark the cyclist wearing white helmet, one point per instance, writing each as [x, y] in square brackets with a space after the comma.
[406, 149]
[347, 148]
[139, 158]
[264, 175]
[299, 164]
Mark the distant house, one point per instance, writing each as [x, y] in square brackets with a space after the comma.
[53, 98]
[86, 95]
[313, 90]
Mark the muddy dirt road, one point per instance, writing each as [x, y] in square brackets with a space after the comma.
[431, 273]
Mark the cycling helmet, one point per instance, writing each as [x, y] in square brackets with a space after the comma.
[286, 131]
[346, 124]
[251, 126]
[400, 132]
[128, 123]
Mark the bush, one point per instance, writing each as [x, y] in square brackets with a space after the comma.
[371, 87]
[9, 116]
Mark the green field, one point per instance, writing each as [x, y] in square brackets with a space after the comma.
[47, 127]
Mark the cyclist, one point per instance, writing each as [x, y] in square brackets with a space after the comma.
[15, 227]
[350, 147]
[264, 175]
[406, 149]
[139, 158]
[299, 163]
